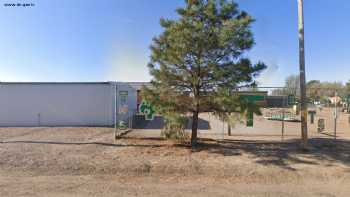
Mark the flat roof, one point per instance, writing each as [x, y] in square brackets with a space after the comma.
[49, 83]
[138, 85]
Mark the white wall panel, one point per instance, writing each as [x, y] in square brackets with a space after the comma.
[57, 104]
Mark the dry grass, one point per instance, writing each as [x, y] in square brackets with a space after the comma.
[87, 162]
[252, 162]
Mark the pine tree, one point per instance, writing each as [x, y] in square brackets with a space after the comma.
[198, 59]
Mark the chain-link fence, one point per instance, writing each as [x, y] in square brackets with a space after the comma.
[280, 119]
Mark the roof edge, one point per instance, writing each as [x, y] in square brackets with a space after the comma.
[48, 83]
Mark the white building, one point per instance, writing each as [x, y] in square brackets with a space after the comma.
[66, 104]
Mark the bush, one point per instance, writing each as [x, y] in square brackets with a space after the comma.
[122, 125]
[174, 128]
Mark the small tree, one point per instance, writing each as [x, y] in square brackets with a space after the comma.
[347, 86]
[291, 87]
[175, 125]
[199, 56]
[347, 95]
[313, 90]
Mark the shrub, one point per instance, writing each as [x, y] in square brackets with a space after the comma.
[122, 125]
[174, 128]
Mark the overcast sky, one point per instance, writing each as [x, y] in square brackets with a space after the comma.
[101, 40]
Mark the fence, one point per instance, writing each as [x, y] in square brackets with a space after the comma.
[281, 118]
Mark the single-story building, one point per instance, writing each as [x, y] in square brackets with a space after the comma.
[81, 104]
[66, 103]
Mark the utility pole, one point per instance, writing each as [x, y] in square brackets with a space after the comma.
[335, 114]
[303, 106]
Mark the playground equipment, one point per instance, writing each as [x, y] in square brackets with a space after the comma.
[256, 97]
[281, 115]
[262, 99]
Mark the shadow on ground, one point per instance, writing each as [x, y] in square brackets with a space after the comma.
[139, 122]
[282, 154]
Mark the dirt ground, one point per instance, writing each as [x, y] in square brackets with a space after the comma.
[88, 162]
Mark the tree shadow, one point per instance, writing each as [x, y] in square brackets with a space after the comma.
[139, 122]
[268, 153]
[328, 134]
[282, 154]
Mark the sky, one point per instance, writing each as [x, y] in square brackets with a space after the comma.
[108, 40]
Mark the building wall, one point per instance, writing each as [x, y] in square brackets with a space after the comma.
[57, 104]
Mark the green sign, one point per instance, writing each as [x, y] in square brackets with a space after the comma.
[147, 109]
[123, 93]
[312, 116]
[253, 98]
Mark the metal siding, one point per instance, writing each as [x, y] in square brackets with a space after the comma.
[58, 104]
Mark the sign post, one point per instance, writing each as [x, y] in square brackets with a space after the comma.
[348, 104]
[312, 116]
[283, 115]
[121, 112]
[250, 118]
[335, 115]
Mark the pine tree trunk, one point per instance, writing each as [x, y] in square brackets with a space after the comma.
[228, 125]
[194, 128]
[195, 116]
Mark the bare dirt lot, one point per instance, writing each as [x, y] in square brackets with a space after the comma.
[88, 162]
